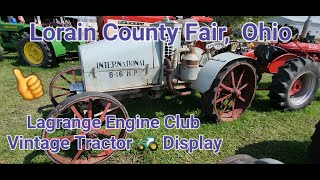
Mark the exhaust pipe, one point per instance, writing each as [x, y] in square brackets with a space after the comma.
[169, 79]
[305, 28]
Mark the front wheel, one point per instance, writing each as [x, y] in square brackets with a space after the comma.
[37, 54]
[231, 92]
[86, 105]
[295, 85]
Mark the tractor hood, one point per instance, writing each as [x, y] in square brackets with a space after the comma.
[308, 47]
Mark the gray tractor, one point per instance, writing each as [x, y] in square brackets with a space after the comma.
[113, 72]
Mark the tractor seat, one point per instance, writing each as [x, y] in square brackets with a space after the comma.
[267, 53]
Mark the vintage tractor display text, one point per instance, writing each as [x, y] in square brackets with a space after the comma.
[83, 134]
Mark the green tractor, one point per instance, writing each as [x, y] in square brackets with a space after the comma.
[15, 36]
[150, 143]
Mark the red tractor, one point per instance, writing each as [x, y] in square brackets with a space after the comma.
[295, 69]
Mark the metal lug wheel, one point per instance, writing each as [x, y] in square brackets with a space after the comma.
[86, 105]
[232, 92]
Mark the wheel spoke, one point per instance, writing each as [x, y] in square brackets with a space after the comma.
[65, 79]
[74, 75]
[116, 136]
[242, 99]
[89, 154]
[240, 78]
[242, 87]
[72, 138]
[62, 88]
[62, 137]
[223, 98]
[102, 117]
[226, 87]
[64, 94]
[106, 132]
[78, 154]
[225, 107]
[233, 81]
[76, 112]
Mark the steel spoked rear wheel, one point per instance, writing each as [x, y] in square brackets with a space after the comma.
[59, 88]
[86, 105]
[232, 91]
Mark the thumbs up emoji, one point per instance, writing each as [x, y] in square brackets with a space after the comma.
[30, 87]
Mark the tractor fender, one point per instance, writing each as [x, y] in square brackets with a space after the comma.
[210, 70]
[57, 46]
[280, 61]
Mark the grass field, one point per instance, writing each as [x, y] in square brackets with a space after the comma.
[262, 132]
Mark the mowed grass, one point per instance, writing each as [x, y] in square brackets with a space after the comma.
[261, 132]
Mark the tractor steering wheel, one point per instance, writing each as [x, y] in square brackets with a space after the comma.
[293, 37]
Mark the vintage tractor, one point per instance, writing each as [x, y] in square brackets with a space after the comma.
[314, 147]
[295, 78]
[114, 71]
[16, 37]
[295, 70]
[150, 143]
[62, 85]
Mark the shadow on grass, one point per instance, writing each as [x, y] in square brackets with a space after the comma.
[170, 104]
[264, 84]
[261, 105]
[317, 98]
[165, 105]
[20, 63]
[28, 159]
[288, 152]
[45, 110]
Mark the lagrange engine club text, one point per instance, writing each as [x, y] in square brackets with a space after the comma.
[112, 122]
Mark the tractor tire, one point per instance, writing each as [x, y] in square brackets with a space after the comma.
[295, 85]
[314, 148]
[141, 147]
[246, 159]
[37, 54]
[153, 146]
[221, 110]
[1, 53]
